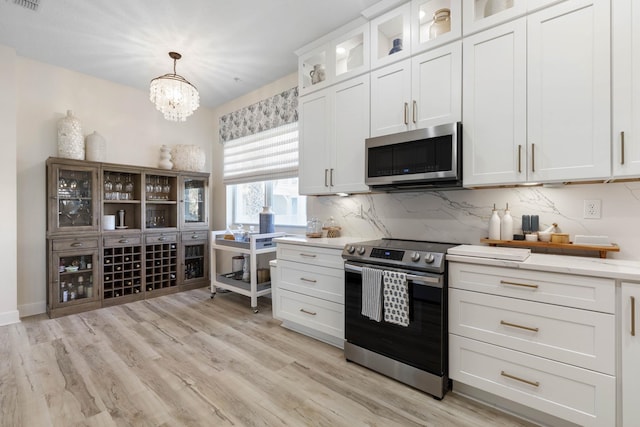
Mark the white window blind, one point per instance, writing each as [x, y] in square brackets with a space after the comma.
[268, 155]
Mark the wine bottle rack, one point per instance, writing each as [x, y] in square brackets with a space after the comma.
[161, 266]
[122, 271]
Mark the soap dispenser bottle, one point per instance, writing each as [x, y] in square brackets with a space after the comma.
[506, 226]
[494, 225]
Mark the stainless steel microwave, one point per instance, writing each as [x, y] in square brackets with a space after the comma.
[417, 159]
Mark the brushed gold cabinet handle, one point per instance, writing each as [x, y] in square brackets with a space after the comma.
[513, 377]
[308, 312]
[415, 110]
[533, 157]
[406, 113]
[304, 279]
[519, 158]
[513, 325]
[76, 245]
[622, 148]
[524, 285]
[633, 317]
[307, 255]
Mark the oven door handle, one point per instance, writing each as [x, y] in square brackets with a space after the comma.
[430, 281]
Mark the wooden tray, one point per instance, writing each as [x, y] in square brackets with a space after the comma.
[602, 250]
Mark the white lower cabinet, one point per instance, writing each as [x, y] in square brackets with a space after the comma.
[540, 339]
[630, 352]
[309, 294]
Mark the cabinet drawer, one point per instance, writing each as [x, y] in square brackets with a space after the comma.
[581, 396]
[122, 240]
[194, 235]
[63, 245]
[321, 282]
[160, 238]
[579, 337]
[314, 313]
[324, 257]
[591, 293]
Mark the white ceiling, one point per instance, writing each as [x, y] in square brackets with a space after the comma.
[229, 47]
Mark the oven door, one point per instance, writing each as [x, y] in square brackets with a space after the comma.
[422, 344]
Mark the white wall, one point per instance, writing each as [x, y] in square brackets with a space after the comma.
[8, 213]
[134, 131]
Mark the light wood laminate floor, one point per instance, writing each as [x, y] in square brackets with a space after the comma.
[189, 360]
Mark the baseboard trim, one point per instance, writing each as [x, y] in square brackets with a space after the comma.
[32, 309]
[9, 317]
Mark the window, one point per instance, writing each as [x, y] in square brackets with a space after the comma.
[246, 201]
[262, 170]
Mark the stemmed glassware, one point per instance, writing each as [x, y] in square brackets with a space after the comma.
[166, 188]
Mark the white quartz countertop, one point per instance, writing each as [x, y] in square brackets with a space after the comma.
[323, 242]
[616, 269]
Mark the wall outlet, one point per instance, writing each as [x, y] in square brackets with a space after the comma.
[592, 209]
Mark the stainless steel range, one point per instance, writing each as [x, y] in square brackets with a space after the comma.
[412, 350]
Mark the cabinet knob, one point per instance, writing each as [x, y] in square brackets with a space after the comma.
[76, 245]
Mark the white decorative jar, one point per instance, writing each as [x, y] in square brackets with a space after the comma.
[165, 158]
[188, 158]
[70, 139]
[95, 147]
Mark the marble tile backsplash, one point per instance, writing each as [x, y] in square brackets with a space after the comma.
[462, 216]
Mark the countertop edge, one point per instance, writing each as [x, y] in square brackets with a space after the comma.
[584, 266]
[322, 242]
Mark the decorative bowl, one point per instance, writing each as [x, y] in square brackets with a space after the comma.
[544, 236]
[71, 268]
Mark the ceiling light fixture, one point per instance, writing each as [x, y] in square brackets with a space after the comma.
[173, 95]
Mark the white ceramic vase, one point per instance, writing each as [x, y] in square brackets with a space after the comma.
[165, 158]
[70, 139]
[95, 147]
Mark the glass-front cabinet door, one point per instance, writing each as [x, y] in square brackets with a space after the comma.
[73, 198]
[434, 22]
[195, 259]
[73, 279]
[194, 201]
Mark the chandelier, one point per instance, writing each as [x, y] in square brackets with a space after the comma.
[173, 95]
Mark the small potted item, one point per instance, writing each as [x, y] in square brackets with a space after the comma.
[332, 228]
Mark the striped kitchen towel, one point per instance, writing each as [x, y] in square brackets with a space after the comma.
[372, 293]
[396, 298]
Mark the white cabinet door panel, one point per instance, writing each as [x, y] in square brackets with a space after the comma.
[390, 95]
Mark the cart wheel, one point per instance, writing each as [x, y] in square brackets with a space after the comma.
[255, 310]
[213, 295]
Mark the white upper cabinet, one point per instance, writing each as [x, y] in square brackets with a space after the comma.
[391, 36]
[626, 88]
[434, 23]
[313, 69]
[479, 15]
[494, 131]
[351, 53]
[418, 92]
[334, 126]
[342, 57]
[569, 91]
[559, 129]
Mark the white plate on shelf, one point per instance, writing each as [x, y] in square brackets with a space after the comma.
[122, 227]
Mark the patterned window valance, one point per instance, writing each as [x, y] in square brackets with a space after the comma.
[267, 114]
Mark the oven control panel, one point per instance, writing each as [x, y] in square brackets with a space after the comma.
[415, 259]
